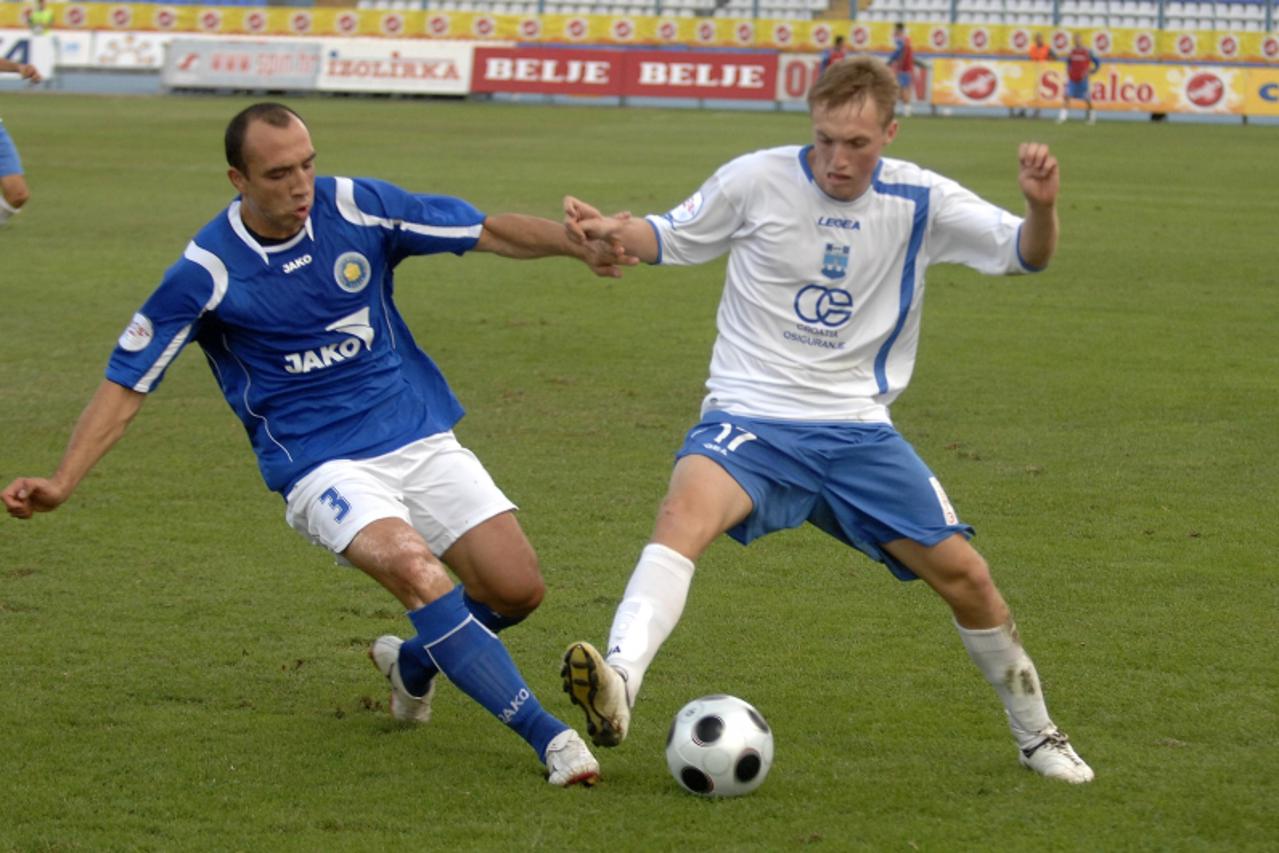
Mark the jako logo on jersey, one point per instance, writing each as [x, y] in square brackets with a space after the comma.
[509, 712]
[828, 306]
[297, 264]
[352, 272]
[687, 211]
[835, 261]
[137, 335]
[355, 325]
[832, 222]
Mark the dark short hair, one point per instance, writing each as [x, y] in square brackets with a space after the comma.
[276, 115]
[855, 80]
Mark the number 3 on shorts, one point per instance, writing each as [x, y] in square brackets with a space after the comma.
[334, 499]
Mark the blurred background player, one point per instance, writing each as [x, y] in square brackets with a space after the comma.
[817, 333]
[40, 18]
[14, 192]
[835, 53]
[902, 61]
[1080, 64]
[288, 293]
[1040, 54]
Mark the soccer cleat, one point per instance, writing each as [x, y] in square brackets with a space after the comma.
[385, 654]
[1092, 119]
[569, 762]
[1054, 758]
[600, 691]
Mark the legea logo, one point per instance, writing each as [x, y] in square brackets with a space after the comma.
[358, 331]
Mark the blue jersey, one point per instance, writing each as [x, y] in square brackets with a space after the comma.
[303, 337]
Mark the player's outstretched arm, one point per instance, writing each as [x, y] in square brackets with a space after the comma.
[28, 72]
[514, 235]
[636, 238]
[101, 424]
[1040, 181]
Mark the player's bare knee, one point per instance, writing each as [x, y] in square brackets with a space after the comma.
[518, 599]
[681, 526]
[414, 569]
[16, 197]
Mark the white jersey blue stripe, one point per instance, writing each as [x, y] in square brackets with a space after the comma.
[819, 317]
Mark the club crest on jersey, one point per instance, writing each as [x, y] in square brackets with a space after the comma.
[352, 272]
[835, 261]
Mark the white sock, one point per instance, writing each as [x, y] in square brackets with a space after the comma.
[651, 607]
[1000, 657]
[1064, 114]
[7, 211]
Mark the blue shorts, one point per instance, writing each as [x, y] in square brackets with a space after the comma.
[904, 79]
[1077, 89]
[10, 164]
[861, 483]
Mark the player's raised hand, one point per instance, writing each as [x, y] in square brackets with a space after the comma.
[1038, 175]
[26, 496]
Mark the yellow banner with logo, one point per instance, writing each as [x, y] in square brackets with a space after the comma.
[1154, 88]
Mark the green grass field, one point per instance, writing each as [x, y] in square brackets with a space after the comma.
[179, 670]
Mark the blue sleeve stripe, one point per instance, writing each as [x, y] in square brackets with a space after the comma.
[1028, 267]
[658, 235]
[919, 196]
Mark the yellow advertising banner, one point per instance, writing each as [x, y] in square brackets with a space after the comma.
[1262, 98]
[1155, 88]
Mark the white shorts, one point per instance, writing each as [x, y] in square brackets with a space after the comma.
[435, 484]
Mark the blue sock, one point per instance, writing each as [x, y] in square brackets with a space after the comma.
[416, 669]
[489, 617]
[474, 659]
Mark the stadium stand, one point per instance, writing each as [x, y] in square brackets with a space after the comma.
[1169, 14]
[1236, 15]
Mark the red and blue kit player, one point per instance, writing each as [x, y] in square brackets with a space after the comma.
[817, 332]
[1081, 63]
[289, 293]
[902, 61]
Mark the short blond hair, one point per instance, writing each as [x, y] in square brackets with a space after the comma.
[853, 80]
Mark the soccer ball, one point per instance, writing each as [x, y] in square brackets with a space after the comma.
[719, 746]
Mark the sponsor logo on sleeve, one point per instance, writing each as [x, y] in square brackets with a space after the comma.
[688, 210]
[138, 335]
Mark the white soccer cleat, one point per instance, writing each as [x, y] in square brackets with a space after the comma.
[600, 691]
[1054, 758]
[569, 762]
[385, 654]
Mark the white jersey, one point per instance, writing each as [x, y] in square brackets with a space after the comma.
[819, 320]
